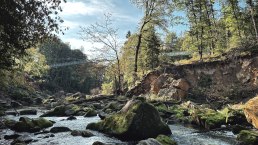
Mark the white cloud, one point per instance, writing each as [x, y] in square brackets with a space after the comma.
[78, 43]
[90, 7]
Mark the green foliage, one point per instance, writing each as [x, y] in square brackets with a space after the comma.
[107, 88]
[35, 63]
[23, 25]
[74, 78]
[21, 80]
[151, 50]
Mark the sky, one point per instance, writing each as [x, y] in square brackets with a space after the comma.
[83, 13]
[78, 13]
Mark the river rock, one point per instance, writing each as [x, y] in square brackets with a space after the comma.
[97, 105]
[251, 111]
[71, 118]
[26, 124]
[99, 143]
[113, 106]
[90, 113]
[11, 113]
[248, 137]
[28, 112]
[62, 110]
[59, 129]
[15, 104]
[102, 115]
[12, 136]
[149, 141]
[83, 133]
[140, 121]
[24, 139]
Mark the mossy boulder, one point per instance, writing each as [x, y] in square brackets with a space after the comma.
[57, 111]
[247, 137]
[26, 124]
[208, 118]
[114, 106]
[136, 121]
[90, 113]
[62, 111]
[166, 140]
[42, 122]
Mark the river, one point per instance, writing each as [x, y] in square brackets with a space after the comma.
[183, 135]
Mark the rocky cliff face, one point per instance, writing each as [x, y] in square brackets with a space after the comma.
[219, 80]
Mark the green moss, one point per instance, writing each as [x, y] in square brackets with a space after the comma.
[166, 140]
[76, 108]
[112, 106]
[42, 123]
[212, 118]
[208, 118]
[248, 137]
[62, 111]
[141, 121]
[71, 98]
[9, 123]
[177, 111]
[162, 108]
[90, 112]
[94, 126]
[58, 111]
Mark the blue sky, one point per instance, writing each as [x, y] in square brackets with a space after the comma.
[78, 13]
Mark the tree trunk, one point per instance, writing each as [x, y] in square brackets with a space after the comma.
[252, 17]
[119, 90]
[137, 52]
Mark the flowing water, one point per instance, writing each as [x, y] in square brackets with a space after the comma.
[183, 135]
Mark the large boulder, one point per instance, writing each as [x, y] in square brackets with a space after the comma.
[26, 124]
[181, 84]
[177, 90]
[251, 111]
[136, 121]
[157, 84]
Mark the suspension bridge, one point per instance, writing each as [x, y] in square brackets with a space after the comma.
[69, 63]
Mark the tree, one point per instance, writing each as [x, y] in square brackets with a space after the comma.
[151, 50]
[105, 34]
[171, 41]
[128, 34]
[155, 12]
[251, 5]
[24, 23]
[72, 78]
